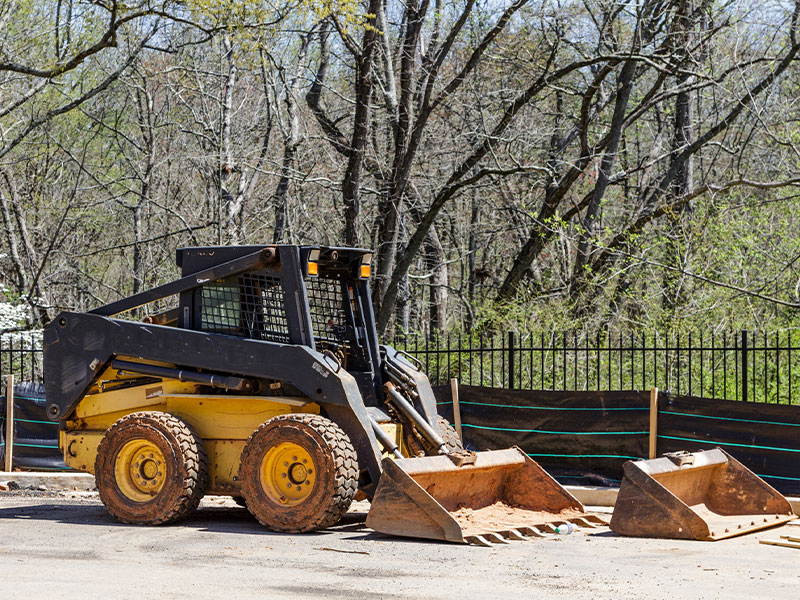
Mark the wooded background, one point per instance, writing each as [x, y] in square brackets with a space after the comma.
[524, 165]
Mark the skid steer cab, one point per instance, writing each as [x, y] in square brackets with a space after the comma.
[258, 374]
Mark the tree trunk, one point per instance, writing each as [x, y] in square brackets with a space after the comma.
[351, 183]
[472, 258]
[291, 140]
[677, 253]
[579, 277]
[436, 265]
[227, 202]
[13, 245]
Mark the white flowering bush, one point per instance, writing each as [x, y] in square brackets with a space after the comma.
[12, 316]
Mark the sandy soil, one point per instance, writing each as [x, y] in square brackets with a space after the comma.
[500, 517]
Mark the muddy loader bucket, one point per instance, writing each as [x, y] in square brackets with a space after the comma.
[504, 494]
[701, 496]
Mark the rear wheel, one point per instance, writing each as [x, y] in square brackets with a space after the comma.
[414, 441]
[151, 468]
[299, 472]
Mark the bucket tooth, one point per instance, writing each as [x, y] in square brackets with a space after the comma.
[706, 495]
[478, 540]
[513, 534]
[495, 537]
[582, 522]
[531, 531]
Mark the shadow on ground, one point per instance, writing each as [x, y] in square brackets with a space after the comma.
[212, 519]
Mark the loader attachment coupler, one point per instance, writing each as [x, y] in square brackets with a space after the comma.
[502, 494]
[705, 495]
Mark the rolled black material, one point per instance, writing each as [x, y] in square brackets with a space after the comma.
[35, 436]
[227, 382]
[586, 437]
[763, 437]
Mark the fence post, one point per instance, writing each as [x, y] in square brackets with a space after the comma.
[744, 365]
[511, 360]
[653, 423]
[9, 422]
[456, 408]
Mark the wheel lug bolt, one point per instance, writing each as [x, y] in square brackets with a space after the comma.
[286, 464]
[299, 488]
[283, 475]
[288, 485]
[304, 461]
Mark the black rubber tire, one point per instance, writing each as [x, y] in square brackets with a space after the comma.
[449, 435]
[185, 475]
[335, 462]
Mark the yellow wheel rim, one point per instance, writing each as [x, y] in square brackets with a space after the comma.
[140, 470]
[287, 474]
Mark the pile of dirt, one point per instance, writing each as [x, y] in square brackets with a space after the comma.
[501, 516]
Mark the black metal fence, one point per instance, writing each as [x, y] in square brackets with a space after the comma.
[743, 365]
[21, 356]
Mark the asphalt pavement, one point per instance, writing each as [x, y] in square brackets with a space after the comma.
[65, 545]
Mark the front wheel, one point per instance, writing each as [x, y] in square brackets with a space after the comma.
[299, 473]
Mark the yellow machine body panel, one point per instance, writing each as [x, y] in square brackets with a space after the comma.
[80, 448]
[231, 417]
[223, 422]
[223, 466]
[395, 432]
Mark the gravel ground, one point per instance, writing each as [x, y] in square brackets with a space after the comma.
[65, 545]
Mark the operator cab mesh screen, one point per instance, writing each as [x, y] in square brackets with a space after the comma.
[249, 306]
[326, 306]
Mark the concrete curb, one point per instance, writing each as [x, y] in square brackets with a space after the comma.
[586, 495]
[589, 495]
[49, 481]
[603, 496]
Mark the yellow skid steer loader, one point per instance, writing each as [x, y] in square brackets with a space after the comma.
[258, 375]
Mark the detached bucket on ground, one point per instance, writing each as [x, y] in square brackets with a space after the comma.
[705, 495]
[502, 495]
